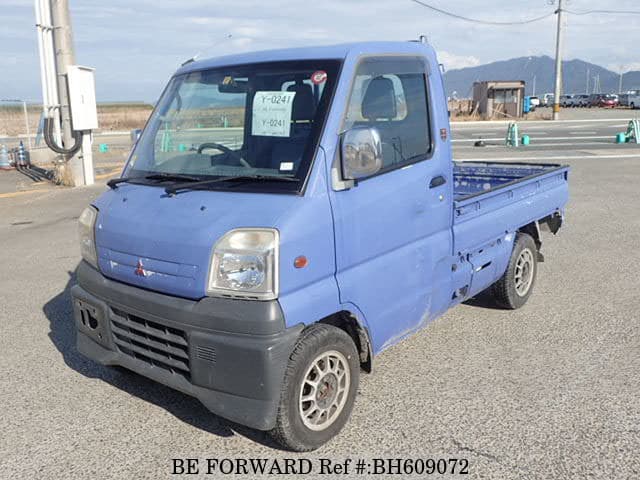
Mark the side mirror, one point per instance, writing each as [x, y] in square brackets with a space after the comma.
[361, 153]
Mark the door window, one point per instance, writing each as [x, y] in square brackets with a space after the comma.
[390, 94]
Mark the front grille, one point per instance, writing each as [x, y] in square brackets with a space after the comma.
[153, 343]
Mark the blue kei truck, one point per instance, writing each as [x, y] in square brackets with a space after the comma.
[287, 215]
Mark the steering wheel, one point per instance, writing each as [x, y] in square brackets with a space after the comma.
[226, 150]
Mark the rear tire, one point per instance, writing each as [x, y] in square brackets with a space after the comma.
[322, 377]
[514, 287]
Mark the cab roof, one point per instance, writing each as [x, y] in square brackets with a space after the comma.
[340, 52]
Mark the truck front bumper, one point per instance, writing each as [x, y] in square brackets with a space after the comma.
[229, 354]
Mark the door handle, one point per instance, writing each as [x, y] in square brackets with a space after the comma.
[437, 181]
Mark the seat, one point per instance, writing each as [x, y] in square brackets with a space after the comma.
[378, 108]
[304, 104]
[379, 101]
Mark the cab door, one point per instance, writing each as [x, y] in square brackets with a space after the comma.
[393, 235]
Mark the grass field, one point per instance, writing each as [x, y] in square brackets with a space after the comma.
[118, 117]
[111, 117]
[129, 116]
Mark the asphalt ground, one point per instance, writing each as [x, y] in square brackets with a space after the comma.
[566, 136]
[551, 391]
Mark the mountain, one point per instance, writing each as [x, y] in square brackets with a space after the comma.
[543, 69]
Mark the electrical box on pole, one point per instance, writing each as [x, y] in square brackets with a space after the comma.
[82, 97]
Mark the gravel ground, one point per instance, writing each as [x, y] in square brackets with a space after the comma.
[547, 392]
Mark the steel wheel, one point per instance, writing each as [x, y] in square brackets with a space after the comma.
[324, 390]
[524, 272]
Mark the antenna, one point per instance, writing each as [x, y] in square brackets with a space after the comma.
[191, 60]
[216, 44]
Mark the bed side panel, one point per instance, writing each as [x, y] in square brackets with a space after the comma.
[484, 218]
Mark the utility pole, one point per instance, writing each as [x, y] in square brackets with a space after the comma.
[588, 74]
[71, 170]
[558, 86]
[620, 81]
[534, 85]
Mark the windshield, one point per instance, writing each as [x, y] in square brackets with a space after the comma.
[260, 120]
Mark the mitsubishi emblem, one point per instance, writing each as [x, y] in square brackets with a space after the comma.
[140, 269]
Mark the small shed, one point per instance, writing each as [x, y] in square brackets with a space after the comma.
[499, 98]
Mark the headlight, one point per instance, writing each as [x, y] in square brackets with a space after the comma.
[86, 228]
[245, 264]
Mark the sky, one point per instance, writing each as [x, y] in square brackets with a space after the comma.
[135, 45]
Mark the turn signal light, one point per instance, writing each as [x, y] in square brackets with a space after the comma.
[300, 262]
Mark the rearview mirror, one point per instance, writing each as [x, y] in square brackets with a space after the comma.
[234, 86]
[361, 153]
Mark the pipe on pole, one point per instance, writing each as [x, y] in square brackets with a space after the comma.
[65, 56]
[558, 83]
[48, 74]
[41, 51]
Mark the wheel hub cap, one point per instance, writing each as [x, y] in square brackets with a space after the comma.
[327, 391]
[524, 272]
[324, 390]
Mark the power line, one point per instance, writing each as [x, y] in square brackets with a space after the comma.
[612, 12]
[483, 22]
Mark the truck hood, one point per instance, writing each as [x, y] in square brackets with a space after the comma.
[148, 239]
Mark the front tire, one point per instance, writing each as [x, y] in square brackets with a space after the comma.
[514, 287]
[319, 389]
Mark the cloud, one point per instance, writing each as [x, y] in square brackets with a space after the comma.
[242, 43]
[624, 68]
[249, 31]
[135, 46]
[17, 3]
[101, 12]
[209, 21]
[454, 62]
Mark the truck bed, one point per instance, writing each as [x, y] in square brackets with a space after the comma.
[493, 198]
[472, 179]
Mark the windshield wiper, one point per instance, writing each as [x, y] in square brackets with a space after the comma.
[163, 177]
[248, 178]
[114, 182]
[177, 177]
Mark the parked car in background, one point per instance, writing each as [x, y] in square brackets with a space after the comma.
[547, 99]
[633, 100]
[623, 99]
[535, 102]
[594, 100]
[580, 100]
[607, 101]
[571, 101]
[565, 100]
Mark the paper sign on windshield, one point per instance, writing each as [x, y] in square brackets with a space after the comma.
[272, 113]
